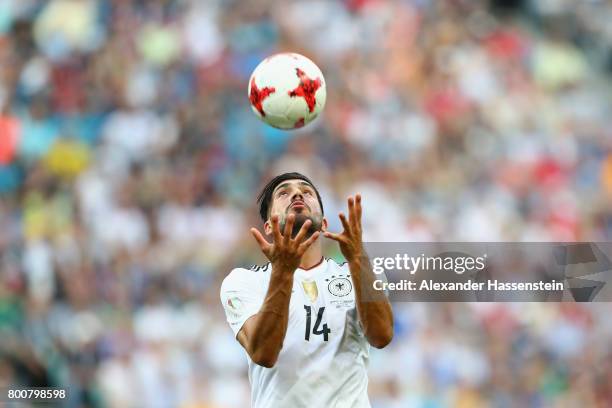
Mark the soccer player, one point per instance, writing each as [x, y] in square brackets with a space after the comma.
[305, 321]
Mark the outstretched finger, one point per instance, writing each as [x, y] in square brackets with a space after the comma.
[306, 244]
[358, 207]
[334, 236]
[288, 227]
[351, 209]
[345, 223]
[303, 231]
[276, 229]
[263, 244]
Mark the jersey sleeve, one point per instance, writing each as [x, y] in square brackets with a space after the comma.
[241, 297]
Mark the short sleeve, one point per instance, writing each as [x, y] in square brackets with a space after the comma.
[241, 296]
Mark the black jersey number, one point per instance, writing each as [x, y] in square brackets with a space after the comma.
[316, 331]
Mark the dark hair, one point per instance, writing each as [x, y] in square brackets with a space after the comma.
[265, 197]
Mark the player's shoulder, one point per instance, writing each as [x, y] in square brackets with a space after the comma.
[331, 263]
[260, 268]
[238, 276]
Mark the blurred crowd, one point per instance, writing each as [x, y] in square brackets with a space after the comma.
[130, 161]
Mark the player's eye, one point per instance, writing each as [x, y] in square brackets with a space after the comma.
[282, 193]
[307, 192]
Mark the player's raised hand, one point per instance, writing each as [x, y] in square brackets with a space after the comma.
[284, 251]
[350, 240]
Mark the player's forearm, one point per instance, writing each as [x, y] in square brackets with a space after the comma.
[373, 306]
[271, 323]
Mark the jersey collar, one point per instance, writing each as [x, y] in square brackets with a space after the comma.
[314, 267]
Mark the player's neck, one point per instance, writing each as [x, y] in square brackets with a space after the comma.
[312, 257]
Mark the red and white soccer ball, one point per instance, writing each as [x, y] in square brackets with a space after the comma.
[287, 91]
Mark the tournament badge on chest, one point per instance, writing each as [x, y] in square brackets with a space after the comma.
[310, 290]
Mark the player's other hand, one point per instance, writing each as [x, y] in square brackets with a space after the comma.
[285, 252]
[349, 240]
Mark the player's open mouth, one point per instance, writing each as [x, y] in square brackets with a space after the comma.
[298, 204]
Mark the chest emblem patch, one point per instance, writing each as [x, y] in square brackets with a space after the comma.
[310, 289]
[339, 286]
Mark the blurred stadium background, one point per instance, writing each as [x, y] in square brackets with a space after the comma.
[130, 163]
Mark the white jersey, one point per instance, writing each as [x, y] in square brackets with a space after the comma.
[324, 359]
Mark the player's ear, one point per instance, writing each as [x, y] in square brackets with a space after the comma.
[324, 224]
[268, 227]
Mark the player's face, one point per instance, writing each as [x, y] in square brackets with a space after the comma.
[297, 197]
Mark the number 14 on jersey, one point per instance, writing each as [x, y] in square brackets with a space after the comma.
[317, 330]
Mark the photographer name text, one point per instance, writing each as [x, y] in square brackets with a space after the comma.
[469, 285]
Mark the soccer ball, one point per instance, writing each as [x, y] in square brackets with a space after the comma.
[287, 91]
